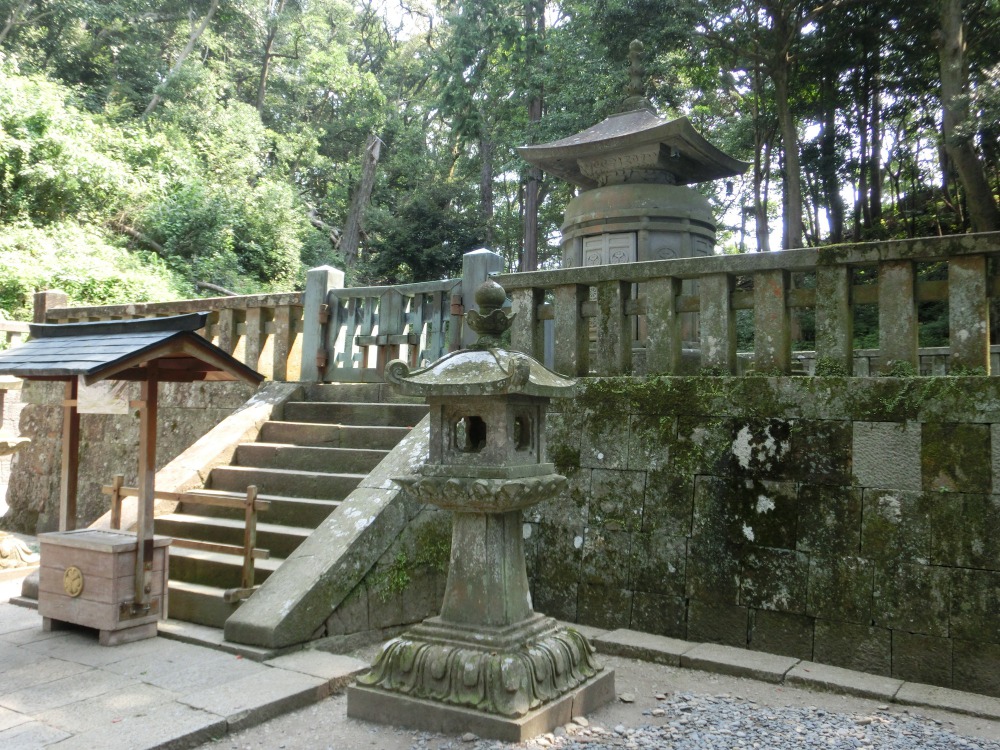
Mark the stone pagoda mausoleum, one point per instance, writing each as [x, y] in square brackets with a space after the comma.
[634, 169]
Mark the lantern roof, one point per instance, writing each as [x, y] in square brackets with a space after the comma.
[489, 372]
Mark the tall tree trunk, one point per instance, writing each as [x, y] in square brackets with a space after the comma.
[351, 238]
[192, 40]
[761, 189]
[14, 19]
[790, 145]
[875, 165]
[829, 161]
[486, 189]
[534, 23]
[274, 10]
[983, 211]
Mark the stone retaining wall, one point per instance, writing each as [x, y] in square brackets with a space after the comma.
[849, 521]
[108, 445]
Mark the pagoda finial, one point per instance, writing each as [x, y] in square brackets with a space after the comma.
[635, 92]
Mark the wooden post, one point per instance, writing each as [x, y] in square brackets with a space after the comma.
[116, 501]
[249, 537]
[146, 485]
[476, 268]
[70, 459]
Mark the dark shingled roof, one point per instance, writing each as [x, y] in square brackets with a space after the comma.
[121, 349]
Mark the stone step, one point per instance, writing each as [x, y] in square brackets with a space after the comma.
[376, 415]
[358, 392]
[332, 435]
[308, 458]
[285, 482]
[291, 511]
[280, 540]
[195, 602]
[216, 568]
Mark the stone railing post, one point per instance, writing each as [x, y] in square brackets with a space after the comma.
[572, 331]
[663, 326]
[834, 318]
[476, 268]
[718, 324]
[772, 341]
[897, 314]
[45, 301]
[968, 314]
[319, 282]
[526, 333]
[614, 337]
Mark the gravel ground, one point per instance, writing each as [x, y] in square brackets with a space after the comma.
[662, 708]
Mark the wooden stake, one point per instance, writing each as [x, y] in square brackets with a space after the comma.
[70, 459]
[147, 476]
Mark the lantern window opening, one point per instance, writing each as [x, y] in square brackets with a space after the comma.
[469, 434]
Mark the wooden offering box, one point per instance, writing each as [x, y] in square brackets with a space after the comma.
[87, 577]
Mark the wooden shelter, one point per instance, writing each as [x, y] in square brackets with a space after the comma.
[149, 351]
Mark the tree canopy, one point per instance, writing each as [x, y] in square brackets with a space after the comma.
[147, 147]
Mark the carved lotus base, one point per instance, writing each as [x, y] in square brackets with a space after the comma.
[507, 672]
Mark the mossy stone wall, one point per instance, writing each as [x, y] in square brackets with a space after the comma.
[850, 521]
[109, 445]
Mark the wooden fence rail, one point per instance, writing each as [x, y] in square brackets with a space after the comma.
[250, 504]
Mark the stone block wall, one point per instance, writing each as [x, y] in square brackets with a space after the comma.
[850, 521]
[109, 445]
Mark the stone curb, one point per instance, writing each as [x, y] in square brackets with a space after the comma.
[786, 670]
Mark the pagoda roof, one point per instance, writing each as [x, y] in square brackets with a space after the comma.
[688, 156]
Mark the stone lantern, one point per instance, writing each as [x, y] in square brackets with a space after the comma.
[488, 663]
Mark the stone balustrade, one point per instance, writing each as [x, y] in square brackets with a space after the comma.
[261, 330]
[639, 307]
[12, 333]
[656, 317]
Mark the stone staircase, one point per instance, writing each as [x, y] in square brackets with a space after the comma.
[305, 464]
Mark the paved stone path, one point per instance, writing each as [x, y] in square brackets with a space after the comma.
[62, 690]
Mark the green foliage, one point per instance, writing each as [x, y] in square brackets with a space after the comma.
[82, 263]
